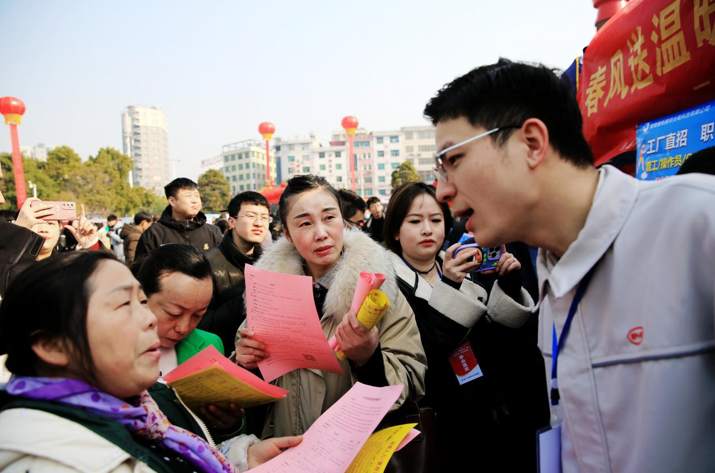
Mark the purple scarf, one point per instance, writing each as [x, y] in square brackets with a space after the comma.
[145, 420]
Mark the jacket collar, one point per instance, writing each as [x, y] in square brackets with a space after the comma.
[181, 225]
[420, 287]
[234, 255]
[360, 253]
[615, 197]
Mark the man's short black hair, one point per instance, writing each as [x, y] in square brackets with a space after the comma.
[140, 217]
[171, 258]
[350, 203]
[246, 197]
[172, 188]
[111, 217]
[507, 94]
[373, 200]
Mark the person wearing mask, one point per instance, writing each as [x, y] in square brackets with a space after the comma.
[485, 372]
[84, 353]
[131, 233]
[116, 243]
[377, 219]
[181, 222]
[316, 243]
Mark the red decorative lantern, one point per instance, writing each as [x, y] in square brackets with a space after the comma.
[12, 109]
[266, 129]
[606, 9]
[272, 193]
[350, 124]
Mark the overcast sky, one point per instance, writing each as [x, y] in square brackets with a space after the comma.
[218, 68]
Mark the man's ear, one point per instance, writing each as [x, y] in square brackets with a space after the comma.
[172, 201]
[536, 137]
[52, 351]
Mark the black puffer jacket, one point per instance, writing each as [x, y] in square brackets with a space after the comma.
[18, 249]
[195, 232]
[227, 264]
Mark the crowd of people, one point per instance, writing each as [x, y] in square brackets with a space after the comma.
[598, 342]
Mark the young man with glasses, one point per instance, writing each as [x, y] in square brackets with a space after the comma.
[626, 273]
[248, 218]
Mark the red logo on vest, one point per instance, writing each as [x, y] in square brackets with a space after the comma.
[635, 335]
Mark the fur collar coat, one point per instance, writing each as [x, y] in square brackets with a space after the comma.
[311, 392]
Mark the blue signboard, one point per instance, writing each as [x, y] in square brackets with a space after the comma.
[664, 144]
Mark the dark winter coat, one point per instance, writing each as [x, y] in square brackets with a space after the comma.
[227, 262]
[18, 249]
[195, 232]
[130, 234]
[490, 421]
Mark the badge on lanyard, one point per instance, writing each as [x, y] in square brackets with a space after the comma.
[549, 440]
[464, 364]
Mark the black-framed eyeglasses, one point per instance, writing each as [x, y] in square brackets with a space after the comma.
[253, 217]
[438, 157]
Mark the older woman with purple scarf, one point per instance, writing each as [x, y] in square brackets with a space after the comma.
[84, 353]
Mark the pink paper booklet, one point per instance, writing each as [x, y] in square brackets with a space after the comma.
[281, 312]
[210, 378]
[332, 442]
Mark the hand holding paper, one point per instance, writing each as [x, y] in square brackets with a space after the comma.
[249, 351]
[369, 303]
[281, 312]
[333, 441]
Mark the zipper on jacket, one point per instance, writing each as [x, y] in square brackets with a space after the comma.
[201, 423]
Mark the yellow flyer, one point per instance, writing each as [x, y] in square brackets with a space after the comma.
[378, 449]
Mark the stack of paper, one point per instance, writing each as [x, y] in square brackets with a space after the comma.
[336, 442]
[210, 378]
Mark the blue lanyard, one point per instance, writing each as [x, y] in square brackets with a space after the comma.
[557, 343]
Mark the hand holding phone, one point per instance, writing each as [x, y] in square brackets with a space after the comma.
[58, 210]
[459, 260]
[489, 255]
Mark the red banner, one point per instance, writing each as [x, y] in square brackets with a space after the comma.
[653, 58]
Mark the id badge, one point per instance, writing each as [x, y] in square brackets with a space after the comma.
[549, 450]
[464, 364]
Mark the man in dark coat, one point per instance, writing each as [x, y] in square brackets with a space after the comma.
[181, 222]
[248, 219]
[131, 233]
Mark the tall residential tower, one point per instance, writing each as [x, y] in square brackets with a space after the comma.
[145, 140]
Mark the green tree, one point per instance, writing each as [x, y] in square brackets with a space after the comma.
[35, 172]
[62, 166]
[101, 183]
[215, 190]
[404, 174]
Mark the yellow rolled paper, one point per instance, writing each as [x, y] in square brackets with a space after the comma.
[373, 308]
[371, 311]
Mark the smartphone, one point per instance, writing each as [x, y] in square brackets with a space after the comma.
[490, 255]
[61, 210]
